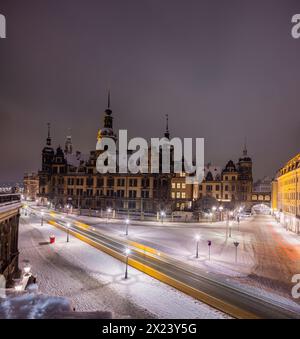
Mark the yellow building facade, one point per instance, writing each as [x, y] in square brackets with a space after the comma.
[286, 194]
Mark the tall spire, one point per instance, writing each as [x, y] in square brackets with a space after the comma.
[245, 148]
[49, 137]
[167, 133]
[107, 130]
[108, 99]
[108, 111]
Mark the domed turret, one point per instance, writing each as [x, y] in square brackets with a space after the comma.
[107, 130]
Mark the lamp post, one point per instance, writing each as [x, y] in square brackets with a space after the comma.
[108, 211]
[27, 269]
[209, 245]
[68, 231]
[162, 214]
[197, 237]
[127, 221]
[42, 220]
[221, 213]
[127, 252]
[236, 244]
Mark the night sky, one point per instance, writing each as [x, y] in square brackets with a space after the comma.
[222, 70]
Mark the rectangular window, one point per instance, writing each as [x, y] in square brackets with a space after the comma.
[145, 182]
[100, 182]
[132, 182]
[145, 194]
[110, 182]
[132, 194]
[121, 182]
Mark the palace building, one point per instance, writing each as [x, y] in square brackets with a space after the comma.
[69, 178]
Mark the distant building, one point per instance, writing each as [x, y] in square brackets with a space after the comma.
[264, 185]
[262, 191]
[286, 194]
[31, 186]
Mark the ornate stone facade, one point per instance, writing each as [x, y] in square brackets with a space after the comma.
[9, 231]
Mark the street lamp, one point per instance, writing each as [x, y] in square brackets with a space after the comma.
[107, 213]
[209, 245]
[27, 269]
[18, 288]
[236, 244]
[221, 212]
[68, 231]
[127, 221]
[42, 220]
[162, 214]
[197, 238]
[127, 252]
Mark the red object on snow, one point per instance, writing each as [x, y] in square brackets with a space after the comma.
[52, 239]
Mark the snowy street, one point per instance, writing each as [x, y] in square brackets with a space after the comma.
[93, 280]
[267, 255]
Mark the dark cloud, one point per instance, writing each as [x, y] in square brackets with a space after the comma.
[223, 70]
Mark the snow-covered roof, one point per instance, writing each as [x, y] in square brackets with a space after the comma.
[75, 159]
[215, 171]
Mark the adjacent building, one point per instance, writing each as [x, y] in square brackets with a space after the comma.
[10, 205]
[31, 186]
[286, 194]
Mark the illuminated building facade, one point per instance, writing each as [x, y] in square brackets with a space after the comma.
[69, 178]
[286, 194]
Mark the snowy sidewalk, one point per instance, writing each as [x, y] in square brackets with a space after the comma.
[93, 280]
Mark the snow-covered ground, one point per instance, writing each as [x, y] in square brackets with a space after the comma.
[267, 258]
[93, 280]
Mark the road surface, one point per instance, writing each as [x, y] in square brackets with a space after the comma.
[229, 299]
